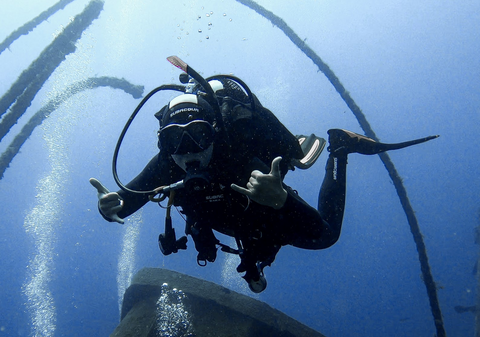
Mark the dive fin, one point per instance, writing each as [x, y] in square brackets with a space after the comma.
[312, 147]
[350, 142]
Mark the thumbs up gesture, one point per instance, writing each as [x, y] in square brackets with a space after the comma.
[265, 189]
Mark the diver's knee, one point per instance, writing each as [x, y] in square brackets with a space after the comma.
[329, 243]
[316, 244]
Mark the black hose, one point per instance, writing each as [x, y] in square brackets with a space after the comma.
[125, 129]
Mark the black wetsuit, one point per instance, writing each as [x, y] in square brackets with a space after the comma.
[262, 229]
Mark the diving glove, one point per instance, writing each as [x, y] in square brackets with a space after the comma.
[109, 203]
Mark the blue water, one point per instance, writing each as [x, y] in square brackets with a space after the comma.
[412, 67]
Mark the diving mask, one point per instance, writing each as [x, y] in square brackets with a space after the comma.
[180, 139]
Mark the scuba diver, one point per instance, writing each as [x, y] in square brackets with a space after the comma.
[222, 161]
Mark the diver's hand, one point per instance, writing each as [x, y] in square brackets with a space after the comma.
[265, 189]
[109, 203]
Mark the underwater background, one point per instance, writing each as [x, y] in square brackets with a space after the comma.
[70, 79]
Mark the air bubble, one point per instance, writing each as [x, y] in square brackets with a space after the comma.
[199, 30]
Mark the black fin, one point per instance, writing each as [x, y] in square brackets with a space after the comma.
[343, 141]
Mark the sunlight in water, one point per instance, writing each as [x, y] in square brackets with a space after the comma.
[44, 218]
[126, 260]
[40, 224]
[173, 319]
